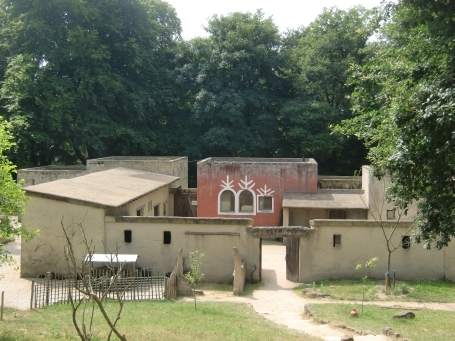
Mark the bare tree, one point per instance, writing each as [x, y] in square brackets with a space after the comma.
[88, 293]
[377, 204]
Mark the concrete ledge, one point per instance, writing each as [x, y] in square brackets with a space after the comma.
[180, 220]
[356, 223]
[280, 231]
[213, 233]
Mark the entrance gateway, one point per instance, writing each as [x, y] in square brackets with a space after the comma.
[292, 235]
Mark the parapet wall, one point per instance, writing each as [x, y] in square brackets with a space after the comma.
[168, 165]
[339, 182]
[39, 175]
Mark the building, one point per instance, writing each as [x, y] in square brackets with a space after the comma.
[330, 223]
[252, 187]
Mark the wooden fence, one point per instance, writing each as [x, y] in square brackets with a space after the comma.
[130, 285]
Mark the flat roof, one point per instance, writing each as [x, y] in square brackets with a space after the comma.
[256, 160]
[107, 189]
[326, 199]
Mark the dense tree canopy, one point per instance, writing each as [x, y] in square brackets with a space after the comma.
[405, 102]
[319, 65]
[231, 87]
[87, 78]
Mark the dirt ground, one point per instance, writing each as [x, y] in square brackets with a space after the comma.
[274, 300]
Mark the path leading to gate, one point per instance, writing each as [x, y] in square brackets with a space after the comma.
[277, 301]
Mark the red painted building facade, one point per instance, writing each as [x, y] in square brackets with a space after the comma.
[252, 187]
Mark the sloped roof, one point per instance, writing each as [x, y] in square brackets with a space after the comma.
[108, 189]
[326, 199]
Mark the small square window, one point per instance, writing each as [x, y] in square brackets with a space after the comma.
[390, 214]
[336, 240]
[265, 203]
[140, 211]
[167, 237]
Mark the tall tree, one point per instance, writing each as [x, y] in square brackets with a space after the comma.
[405, 105]
[319, 65]
[231, 87]
[83, 79]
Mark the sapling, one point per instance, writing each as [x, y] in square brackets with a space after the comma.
[195, 276]
[364, 268]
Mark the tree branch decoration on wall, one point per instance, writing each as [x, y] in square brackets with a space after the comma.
[227, 184]
[245, 184]
[265, 191]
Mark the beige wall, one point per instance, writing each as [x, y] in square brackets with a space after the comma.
[375, 198]
[302, 216]
[362, 240]
[39, 175]
[46, 251]
[168, 165]
[215, 237]
[158, 197]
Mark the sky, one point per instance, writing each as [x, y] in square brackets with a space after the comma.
[285, 13]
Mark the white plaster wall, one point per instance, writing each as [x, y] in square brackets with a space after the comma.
[214, 237]
[46, 251]
[362, 240]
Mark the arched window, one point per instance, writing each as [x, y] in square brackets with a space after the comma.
[246, 203]
[227, 202]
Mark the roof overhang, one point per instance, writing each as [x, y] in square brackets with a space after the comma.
[111, 258]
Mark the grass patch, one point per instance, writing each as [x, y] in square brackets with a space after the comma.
[428, 324]
[418, 291]
[151, 321]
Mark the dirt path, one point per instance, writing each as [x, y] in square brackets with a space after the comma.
[277, 301]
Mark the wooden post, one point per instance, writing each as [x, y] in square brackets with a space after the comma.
[1, 307]
[31, 294]
[48, 280]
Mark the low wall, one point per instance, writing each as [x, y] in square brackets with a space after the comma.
[339, 182]
[213, 236]
[39, 175]
[360, 241]
[168, 165]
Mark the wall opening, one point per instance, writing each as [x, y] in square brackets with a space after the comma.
[128, 236]
[336, 240]
[246, 202]
[167, 237]
[405, 242]
[156, 210]
[265, 204]
[227, 202]
[390, 214]
[337, 214]
[140, 211]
